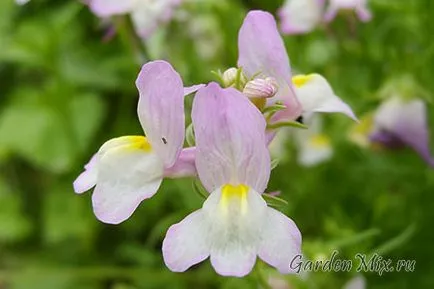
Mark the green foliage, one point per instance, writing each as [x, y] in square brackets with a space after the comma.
[65, 89]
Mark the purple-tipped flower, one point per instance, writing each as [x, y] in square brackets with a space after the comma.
[129, 169]
[400, 121]
[147, 15]
[359, 6]
[300, 16]
[234, 226]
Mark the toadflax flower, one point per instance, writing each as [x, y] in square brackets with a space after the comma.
[128, 169]
[359, 6]
[315, 95]
[399, 121]
[262, 56]
[146, 14]
[300, 16]
[314, 147]
[235, 225]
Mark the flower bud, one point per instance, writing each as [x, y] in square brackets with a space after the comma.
[230, 77]
[261, 88]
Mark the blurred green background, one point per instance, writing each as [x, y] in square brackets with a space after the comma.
[65, 89]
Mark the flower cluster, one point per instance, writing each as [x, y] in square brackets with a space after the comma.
[233, 127]
[302, 16]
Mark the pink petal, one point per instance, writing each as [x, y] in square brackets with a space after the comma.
[106, 8]
[161, 109]
[230, 139]
[184, 166]
[191, 89]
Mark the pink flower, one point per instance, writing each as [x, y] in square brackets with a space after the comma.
[147, 15]
[399, 122]
[300, 16]
[129, 169]
[359, 6]
[235, 225]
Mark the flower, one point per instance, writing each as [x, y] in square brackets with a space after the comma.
[262, 55]
[400, 121]
[359, 6]
[128, 169]
[234, 226]
[315, 95]
[300, 16]
[314, 147]
[146, 14]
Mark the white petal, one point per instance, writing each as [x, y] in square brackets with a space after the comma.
[358, 282]
[149, 15]
[236, 221]
[281, 241]
[127, 174]
[87, 179]
[300, 16]
[313, 146]
[185, 243]
[316, 95]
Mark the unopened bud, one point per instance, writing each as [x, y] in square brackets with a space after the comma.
[234, 77]
[261, 88]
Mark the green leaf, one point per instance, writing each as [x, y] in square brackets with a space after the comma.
[274, 202]
[274, 163]
[189, 135]
[286, 124]
[397, 241]
[273, 108]
[199, 189]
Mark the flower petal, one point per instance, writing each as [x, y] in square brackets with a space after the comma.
[184, 166]
[148, 16]
[261, 50]
[236, 215]
[191, 89]
[230, 139]
[357, 282]
[313, 146]
[87, 179]
[106, 8]
[161, 109]
[316, 95]
[360, 6]
[185, 243]
[300, 16]
[281, 241]
[407, 120]
[127, 174]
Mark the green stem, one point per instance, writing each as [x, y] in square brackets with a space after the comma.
[130, 39]
[261, 277]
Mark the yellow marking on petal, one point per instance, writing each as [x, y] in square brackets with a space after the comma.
[138, 142]
[360, 131]
[231, 194]
[302, 79]
[319, 141]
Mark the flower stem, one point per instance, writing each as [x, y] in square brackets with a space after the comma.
[261, 276]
